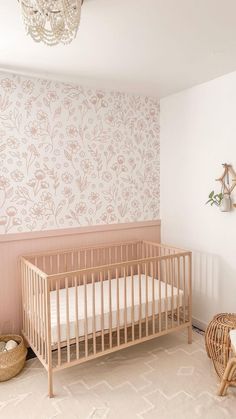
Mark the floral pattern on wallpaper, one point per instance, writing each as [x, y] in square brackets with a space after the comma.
[71, 156]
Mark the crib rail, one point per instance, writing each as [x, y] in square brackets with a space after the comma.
[84, 257]
[82, 303]
[35, 304]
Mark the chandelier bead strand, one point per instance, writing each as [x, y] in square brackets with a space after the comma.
[51, 21]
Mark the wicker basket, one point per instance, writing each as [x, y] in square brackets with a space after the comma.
[217, 340]
[12, 362]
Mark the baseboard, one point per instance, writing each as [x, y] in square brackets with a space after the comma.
[199, 324]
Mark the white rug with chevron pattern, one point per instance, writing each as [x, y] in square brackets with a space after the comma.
[161, 379]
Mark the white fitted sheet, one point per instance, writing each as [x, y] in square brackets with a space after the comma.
[165, 301]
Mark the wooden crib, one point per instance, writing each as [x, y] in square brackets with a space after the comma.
[80, 304]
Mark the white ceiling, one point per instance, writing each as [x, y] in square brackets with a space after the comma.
[153, 47]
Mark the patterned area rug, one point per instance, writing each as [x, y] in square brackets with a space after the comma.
[161, 379]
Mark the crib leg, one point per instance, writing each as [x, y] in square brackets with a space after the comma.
[190, 334]
[50, 383]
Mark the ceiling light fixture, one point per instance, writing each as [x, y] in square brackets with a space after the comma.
[51, 21]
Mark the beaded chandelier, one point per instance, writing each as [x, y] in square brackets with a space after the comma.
[51, 21]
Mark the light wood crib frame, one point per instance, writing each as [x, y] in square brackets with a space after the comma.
[80, 304]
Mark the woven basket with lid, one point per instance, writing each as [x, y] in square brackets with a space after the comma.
[12, 362]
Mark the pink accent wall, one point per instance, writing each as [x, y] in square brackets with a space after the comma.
[72, 156]
[14, 245]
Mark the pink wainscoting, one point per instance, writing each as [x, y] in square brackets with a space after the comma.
[14, 245]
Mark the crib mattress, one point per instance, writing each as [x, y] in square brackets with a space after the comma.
[167, 294]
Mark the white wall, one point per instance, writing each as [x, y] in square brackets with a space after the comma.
[198, 133]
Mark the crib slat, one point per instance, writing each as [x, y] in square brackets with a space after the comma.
[67, 320]
[132, 297]
[110, 296]
[153, 299]
[28, 301]
[171, 272]
[32, 305]
[140, 302]
[45, 314]
[125, 304]
[178, 285]
[46, 324]
[42, 290]
[76, 319]
[190, 297]
[85, 315]
[58, 324]
[146, 306]
[102, 310]
[40, 316]
[110, 309]
[166, 295]
[94, 318]
[44, 330]
[184, 289]
[24, 297]
[37, 311]
[159, 270]
[26, 293]
[118, 307]
[48, 329]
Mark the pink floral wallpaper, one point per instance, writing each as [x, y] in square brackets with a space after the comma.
[71, 156]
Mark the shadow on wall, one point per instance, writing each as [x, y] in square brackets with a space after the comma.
[206, 287]
[214, 286]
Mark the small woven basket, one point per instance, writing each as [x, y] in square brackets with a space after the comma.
[12, 362]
